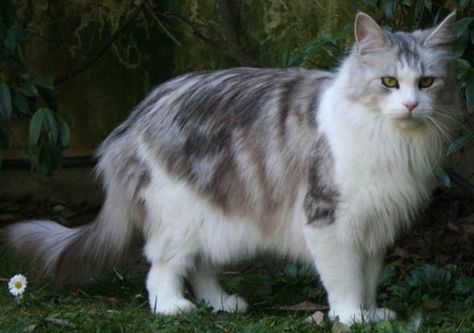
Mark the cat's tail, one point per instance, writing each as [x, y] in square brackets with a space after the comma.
[73, 255]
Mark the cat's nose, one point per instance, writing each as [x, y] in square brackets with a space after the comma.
[410, 106]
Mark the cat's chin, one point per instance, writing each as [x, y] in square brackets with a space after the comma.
[409, 123]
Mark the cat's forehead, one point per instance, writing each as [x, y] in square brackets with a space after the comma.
[407, 56]
[408, 72]
[407, 50]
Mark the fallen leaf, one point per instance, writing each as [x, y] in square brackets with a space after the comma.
[453, 227]
[468, 228]
[106, 298]
[58, 208]
[399, 252]
[303, 306]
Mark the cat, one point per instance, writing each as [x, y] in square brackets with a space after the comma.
[321, 167]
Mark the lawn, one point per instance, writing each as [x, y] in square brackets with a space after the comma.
[428, 280]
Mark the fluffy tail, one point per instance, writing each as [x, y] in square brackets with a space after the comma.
[75, 254]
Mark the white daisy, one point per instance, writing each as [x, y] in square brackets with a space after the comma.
[17, 284]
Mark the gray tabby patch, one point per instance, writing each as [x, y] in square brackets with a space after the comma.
[235, 133]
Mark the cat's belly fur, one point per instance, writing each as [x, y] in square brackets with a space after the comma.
[186, 220]
[179, 217]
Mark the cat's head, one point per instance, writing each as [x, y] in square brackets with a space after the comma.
[407, 77]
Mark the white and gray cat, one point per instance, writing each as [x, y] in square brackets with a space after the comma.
[322, 167]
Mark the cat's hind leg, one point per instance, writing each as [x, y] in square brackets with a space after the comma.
[171, 246]
[206, 288]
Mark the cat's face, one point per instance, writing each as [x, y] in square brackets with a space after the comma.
[402, 76]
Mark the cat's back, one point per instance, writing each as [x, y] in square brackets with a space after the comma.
[198, 113]
[226, 99]
[229, 134]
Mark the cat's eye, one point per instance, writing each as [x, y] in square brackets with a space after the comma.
[390, 82]
[425, 82]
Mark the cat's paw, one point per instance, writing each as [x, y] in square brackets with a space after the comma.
[172, 307]
[350, 317]
[232, 304]
[381, 314]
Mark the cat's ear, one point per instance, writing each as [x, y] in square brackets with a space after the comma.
[443, 34]
[368, 34]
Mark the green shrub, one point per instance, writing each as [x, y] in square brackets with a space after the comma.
[22, 95]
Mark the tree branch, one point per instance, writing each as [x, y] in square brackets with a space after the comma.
[232, 28]
[166, 31]
[221, 46]
[193, 26]
[89, 62]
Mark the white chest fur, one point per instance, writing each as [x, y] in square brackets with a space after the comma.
[382, 171]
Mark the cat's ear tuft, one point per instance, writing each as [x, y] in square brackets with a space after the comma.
[368, 34]
[443, 33]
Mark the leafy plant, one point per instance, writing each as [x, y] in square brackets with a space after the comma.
[331, 45]
[22, 95]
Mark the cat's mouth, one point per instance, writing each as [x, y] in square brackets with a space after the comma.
[410, 120]
[407, 116]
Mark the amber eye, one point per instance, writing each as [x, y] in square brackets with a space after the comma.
[390, 82]
[425, 82]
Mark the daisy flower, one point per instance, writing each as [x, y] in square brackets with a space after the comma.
[17, 285]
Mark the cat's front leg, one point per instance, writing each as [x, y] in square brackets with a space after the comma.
[164, 284]
[340, 265]
[206, 288]
[373, 267]
[348, 273]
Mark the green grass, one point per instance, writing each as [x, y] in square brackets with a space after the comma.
[428, 299]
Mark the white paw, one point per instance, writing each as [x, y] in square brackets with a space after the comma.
[235, 304]
[230, 303]
[381, 314]
[172, 307]
[348, 317]
[363, 316]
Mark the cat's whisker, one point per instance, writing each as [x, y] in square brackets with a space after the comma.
[446, 114]
[440, 128]
[455, 122]
[439, 143]
[445, 127]
[448, 108]
[454, 127]
[447, 120]
[451, 120]
[454, 114]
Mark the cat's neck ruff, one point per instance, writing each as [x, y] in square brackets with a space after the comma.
[357, 127]
[378, 162]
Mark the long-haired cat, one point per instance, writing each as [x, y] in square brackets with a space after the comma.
[322, 167]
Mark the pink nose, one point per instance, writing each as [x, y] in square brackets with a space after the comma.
[410, 106]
